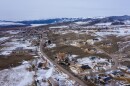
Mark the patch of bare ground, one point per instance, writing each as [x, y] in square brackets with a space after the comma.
[57, 38]
[1, 47]
[126, 63]
[126, 50]
[72, 50]
[66, 49]
[13, 60]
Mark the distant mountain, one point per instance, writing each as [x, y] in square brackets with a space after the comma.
[7, 24]
[113, 20]
[49, 21]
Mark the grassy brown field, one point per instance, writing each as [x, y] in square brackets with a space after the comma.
[126, 63]
[80, 51]
[73, 50]
[56, 38]
[110, 39]
[13, 60]
[66, 49]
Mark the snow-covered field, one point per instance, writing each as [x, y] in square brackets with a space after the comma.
[4, 38]
[21, 76]
[51, 46]
[9, 23]
[88, 60]
[93, 62]
[105, 24]
[10, 46]
[58, 27]
[17, 76]
[118, 32]
[13, 32]
[127, 22]
[82, 23]
[35, 25]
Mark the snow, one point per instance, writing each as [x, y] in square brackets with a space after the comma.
[35, 25]
[53, 73]
[75, 44]
[4, 38]
[90, 41]
[91, 63]
[51, 46]
[10, 46]
[63, 79]
[118, 32]
[87, 60]
[82, 23]
[17, 76]
[25, 62]
[104, 24]
[127, 22]
[13, 32]
[10, 23]
[72, 56]
[49, 73]
[58, 27]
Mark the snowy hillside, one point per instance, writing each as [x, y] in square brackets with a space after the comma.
[106, 24]
[17, 76]
[9, 23]
[114, 20]
[127, 22]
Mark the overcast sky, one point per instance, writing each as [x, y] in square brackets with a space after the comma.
[43, 9]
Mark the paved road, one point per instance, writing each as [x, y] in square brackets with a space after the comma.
[64, 70]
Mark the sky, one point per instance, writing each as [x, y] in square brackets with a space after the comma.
[42, 9]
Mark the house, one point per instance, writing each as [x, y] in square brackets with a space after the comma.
[93, 58]
[75, 69]
[76, 44]
[62, 82]
[104, 79]
[84, 67]
[61, 56]
[35, 42]
[107, 79]
[43, 64]
[90, 41]
[91, 50]
[107, 44]
[95, 39]
[49, 42]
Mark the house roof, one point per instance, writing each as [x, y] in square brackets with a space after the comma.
[85, 67]
[19, 48]
[107, 79]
